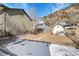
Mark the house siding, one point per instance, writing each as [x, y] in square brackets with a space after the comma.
[17, 22]
[57, 29]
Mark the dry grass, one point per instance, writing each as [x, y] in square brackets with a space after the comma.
[77, 34]
[47, 37]
[77, 31]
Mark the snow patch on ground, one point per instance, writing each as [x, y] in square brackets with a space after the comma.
[59, 50]
[29, 48]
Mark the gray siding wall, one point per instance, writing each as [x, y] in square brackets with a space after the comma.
[2, 23]
[17, 21]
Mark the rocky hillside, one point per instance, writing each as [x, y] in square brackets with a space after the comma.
[69, 14]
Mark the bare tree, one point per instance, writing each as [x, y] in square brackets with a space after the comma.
[33, 15]
[34, 18]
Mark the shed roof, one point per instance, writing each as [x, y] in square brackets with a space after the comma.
[19, 9]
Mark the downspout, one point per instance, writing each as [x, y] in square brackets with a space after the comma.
[5, 23]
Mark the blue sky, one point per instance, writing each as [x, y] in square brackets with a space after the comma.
[41, 9]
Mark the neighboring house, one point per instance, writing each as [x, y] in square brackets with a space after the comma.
[14, 21]
[62, 28]
[57, 29]
[40, 25]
